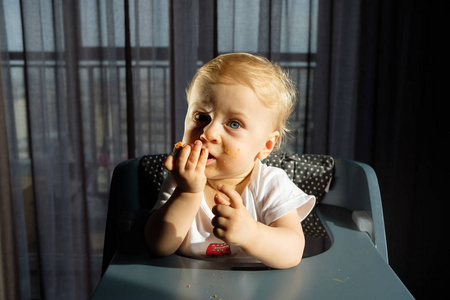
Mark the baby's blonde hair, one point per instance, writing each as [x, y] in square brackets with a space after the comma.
[269, 82]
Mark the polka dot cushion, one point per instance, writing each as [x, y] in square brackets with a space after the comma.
[311, 173]
[152, 174]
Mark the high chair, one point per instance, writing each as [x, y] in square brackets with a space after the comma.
[345, 253]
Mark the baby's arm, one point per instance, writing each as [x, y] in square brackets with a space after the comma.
[279, 245]
[167, 227]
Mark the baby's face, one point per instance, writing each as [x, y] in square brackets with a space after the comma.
[233, 125]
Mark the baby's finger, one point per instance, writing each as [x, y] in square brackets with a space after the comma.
[203, 159]
[219, 199]
[235, 198]
[219, 222]
[194, 156]
[224, 211]
[219, 233]
[169, 163]
[182, 158]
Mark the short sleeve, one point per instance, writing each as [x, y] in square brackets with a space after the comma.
[277, 195]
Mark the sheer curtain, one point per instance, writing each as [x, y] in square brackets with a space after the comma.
[86, 84]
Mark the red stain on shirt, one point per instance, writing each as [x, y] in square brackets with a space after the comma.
[218, 249]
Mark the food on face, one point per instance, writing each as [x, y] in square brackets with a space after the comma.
[177, 148]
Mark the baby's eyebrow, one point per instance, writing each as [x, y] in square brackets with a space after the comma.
[238, 114]
[203, 105]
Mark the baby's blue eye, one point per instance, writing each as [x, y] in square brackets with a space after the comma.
[234, 124]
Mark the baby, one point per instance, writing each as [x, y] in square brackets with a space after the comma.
[219, 201]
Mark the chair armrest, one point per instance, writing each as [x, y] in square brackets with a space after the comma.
[355, 187]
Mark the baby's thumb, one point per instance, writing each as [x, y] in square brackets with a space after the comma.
[169, 163]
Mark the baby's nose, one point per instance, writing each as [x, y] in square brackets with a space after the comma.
[210, 133]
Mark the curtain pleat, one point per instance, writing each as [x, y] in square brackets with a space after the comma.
[9, 264]
[131, 134]
[337, 78]
[184, 56]
[14, 242]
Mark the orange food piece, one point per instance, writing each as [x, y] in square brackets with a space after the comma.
[177, 148]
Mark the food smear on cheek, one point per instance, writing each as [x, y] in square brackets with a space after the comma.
[232, 155]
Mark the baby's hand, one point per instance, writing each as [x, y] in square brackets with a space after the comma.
[232, 222]
[188, 167]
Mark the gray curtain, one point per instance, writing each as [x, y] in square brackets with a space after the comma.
[375, 101]
[87, 84]
[9, 275]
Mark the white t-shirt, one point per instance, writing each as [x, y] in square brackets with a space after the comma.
[269, 195]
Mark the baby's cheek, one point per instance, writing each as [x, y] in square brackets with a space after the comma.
[191, 135]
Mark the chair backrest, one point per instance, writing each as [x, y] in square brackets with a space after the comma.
[136, 184]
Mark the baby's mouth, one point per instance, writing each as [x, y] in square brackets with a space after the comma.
[210, 159]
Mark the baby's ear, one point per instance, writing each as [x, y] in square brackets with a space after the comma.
[269, 145]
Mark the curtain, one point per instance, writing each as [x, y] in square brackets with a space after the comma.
[9, 277]
[375, 102]
[87, 84]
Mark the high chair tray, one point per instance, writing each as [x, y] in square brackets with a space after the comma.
[351, 268]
